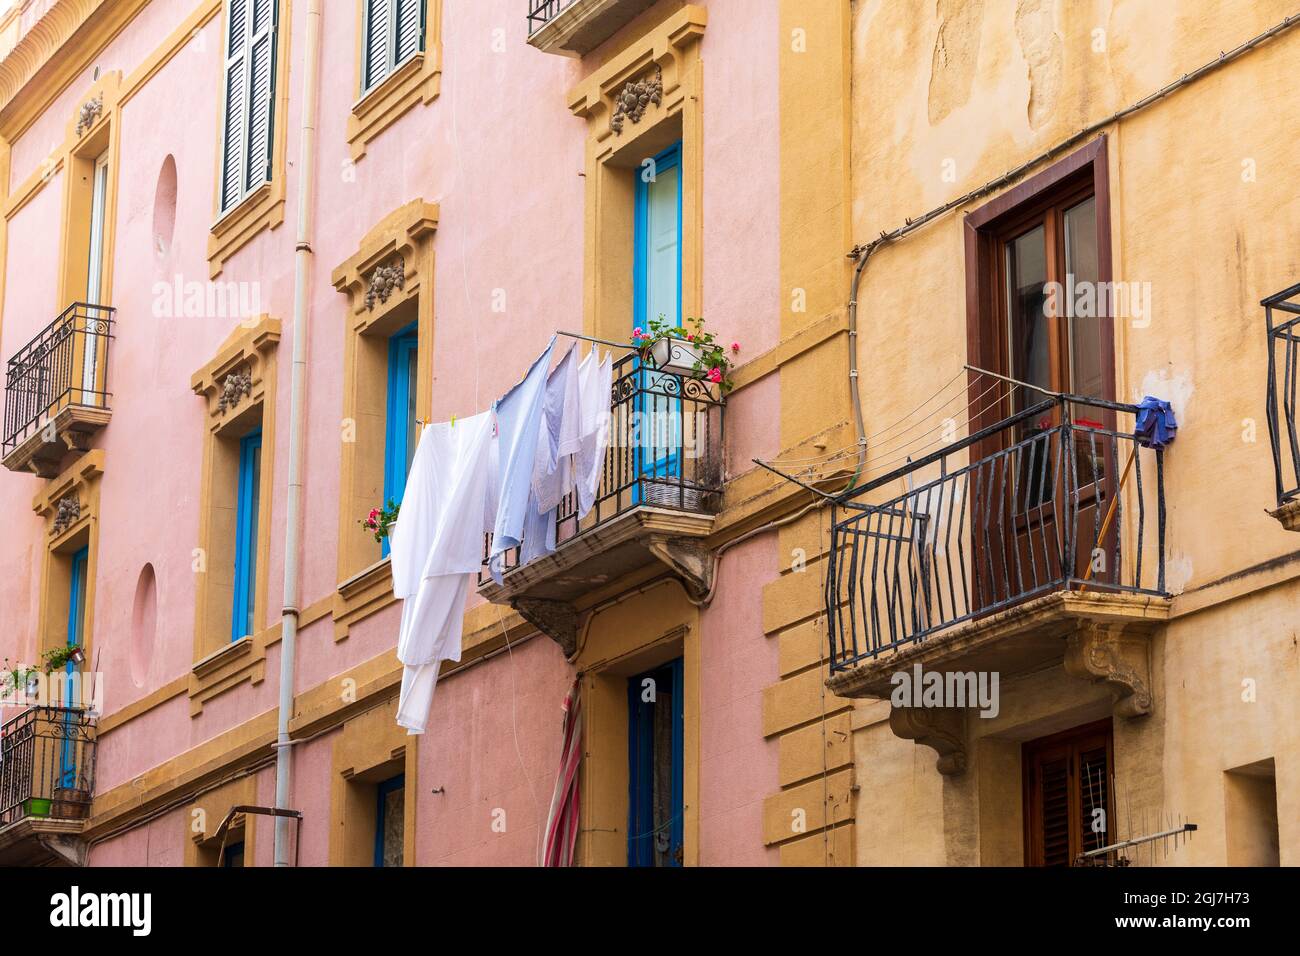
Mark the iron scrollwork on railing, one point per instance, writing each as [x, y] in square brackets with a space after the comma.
[1015, 511]
[47, 764]
[665, 448]
[65, 364]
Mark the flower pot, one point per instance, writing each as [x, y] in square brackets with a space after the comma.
[676, 355]
[37, 807]
[70, 804]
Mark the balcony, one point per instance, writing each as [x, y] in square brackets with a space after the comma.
[660, 487]
[47, 776]
[1036, 541]
[1281, 316]
[56, 395]
[576, 27]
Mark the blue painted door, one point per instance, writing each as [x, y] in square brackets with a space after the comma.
[248, 504]
[655, 767]
[76, 634]
[657, 294]
[401, 427]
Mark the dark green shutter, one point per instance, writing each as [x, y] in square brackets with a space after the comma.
[232, 132]
[374, 51]
[409, 29]
[248, 130]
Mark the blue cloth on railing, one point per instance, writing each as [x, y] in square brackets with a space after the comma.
[1156, 426]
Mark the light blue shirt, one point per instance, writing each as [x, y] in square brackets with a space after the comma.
[519, 418]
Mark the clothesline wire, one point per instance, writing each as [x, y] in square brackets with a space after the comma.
[898, 455]
[592, 338]
[886, 429]
[851, 451]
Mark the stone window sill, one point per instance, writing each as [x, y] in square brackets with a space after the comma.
[415, 82]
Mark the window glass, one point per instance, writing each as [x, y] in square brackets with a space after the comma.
[1029, 329]
[1083, 272]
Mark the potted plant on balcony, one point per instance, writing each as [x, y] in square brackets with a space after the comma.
[17, 681]
[69, 803]
[381, 520]
[689, 349]
[37, 807]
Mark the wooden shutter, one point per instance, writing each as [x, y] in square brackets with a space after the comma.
[1067, 777]
[376, 32]
[410, 30]
[261, 76]
[248, 130]
[232, 133]
[393, 32]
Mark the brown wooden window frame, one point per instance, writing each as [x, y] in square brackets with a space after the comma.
[1070, 744]
[987, 230]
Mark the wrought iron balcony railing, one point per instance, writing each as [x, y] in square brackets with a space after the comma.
[1015, 511]
[47, 765]
[1282, 317]
[65, 365]
[665, 450]
[542, 12]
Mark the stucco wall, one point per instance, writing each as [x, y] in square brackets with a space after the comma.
[1203, 208]
[501, 154]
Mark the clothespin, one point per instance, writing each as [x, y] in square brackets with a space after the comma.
[453, 421]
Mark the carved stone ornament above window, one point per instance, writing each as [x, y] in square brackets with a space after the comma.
[636, 98]
[90, 111]
[384, 280]
[66, 513]
[235, 386]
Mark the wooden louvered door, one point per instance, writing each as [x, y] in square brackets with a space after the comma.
[1068, 805]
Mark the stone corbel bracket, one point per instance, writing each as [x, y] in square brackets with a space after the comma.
[1117, 655]
[688, 558]
[1288, 515]
[558, 620]
[70, 848]
[943, 730]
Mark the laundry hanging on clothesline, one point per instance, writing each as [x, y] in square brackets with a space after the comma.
[519, 416]
[436, 550]
[502, 472]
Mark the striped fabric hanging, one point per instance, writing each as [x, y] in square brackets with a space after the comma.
[562, 820]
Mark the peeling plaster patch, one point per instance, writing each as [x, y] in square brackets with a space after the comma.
[1042, 49]
[1178, 571]
[1176, 389]
[956, 51]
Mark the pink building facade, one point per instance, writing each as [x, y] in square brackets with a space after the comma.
[462, 152]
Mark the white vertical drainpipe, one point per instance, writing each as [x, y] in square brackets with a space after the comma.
[284, 826]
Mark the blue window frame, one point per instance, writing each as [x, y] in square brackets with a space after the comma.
[657, 291]
[76, 636]
[654, 818]
[390, 808]
[400, 424]
[247, 505]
